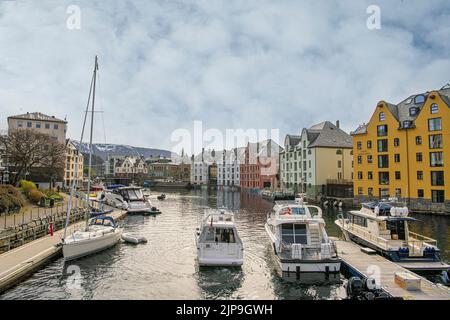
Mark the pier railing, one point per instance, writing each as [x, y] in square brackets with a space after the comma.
[18, 235]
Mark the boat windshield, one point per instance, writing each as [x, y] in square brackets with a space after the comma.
[220, 235]
[133, 194]
[293, 211]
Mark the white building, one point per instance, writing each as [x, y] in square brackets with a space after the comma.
[228, 167]
[200, 166]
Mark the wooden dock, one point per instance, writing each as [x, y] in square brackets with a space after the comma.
[18, 263]
[369, 265]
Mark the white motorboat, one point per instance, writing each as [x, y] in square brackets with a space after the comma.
[101, 234]
[218, 242]
[300, 242]
[383, 227]
[131, 199]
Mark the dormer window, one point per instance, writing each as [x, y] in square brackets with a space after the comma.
[419, 99]
[381, 116]
[413, 111]
[434, 108]
[407, 124]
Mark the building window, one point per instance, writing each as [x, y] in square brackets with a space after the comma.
[381, 116]
[382, 145]
[382, 130]
[436, 159]
[19, 124]
[420, 193]
[360, 191]
[370, 175]
[359, 145]
[398, 192]
[360, 175]
[383, 161]
[396, 157]
[397, 175]
[435, 141]
[339, 164]
[418, 140]
[437, 196]
[412, 111]
[383, 178]
[434, 124]
[419, 175]
[38, 125]
[359, 159]
[434, 108]
[419, 99]
[369, 158]
[396, 142]
[419, 157]
[369, 144]
[437, 178]
[55, 126]
[29, 124]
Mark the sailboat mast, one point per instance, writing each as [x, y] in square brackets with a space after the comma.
[90, 138]
[78, 154]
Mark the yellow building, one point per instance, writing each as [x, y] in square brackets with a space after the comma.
[70, 162]
[403, 151]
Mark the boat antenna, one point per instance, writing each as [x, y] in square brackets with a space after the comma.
[73, 187]
[90, 138]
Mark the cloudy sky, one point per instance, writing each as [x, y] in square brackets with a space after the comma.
[231, 64]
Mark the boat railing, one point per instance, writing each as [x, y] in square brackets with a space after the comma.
[368, 236]
[308, 252]
[417, 242]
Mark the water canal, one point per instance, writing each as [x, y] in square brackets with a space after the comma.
[165, 267]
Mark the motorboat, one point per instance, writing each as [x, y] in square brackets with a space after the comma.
[131, 199]
[102, 233]
[383, 227]
[217, 239]
[299, 239]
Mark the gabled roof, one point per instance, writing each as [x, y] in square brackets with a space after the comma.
[401, 111]
[37, 116]
[292, 140]
[326, 134]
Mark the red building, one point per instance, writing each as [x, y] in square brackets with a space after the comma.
[260, 167]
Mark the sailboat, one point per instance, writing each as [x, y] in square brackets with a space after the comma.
[100, 232]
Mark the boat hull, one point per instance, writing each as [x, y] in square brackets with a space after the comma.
[216, 262]
[81, 248]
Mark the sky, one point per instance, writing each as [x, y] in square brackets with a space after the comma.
[230, 64]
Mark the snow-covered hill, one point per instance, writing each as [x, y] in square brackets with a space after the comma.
[103, 150]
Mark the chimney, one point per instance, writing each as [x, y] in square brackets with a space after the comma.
[337, 123]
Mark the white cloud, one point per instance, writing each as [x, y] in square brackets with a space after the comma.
[232, 64]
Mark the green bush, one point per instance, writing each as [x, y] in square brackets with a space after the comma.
[27, 186]
[52, 195]
[10, 198]
[35, 196]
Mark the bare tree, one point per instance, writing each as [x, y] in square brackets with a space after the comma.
[25, 149]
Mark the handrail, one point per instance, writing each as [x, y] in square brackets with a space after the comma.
[421, 237]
